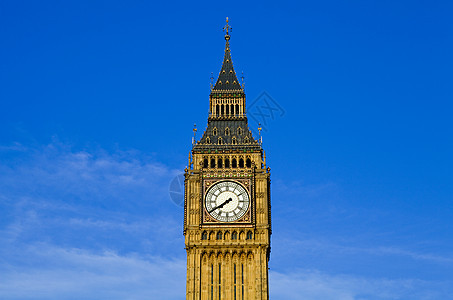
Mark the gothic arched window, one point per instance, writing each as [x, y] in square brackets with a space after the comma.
[241, 163]
[249, 235]
[219, 163]
[227, 163]
[234, 235]
[214, 131]
[219, 235]
[205, 163]
[212, 163]
[227, 131]
[204, 235]
[248, 163]
[234, 163]
[239, 131]
[234, 141]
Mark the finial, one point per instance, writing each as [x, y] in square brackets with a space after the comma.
[227, 29]
[194, 133]
[242, 79]
[259, 132]
[212, 79]
[190, 161]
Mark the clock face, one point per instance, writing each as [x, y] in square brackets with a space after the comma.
[227, 201]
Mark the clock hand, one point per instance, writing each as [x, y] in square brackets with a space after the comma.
[221, 205]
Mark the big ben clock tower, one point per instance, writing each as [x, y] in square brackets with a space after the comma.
[227, 220]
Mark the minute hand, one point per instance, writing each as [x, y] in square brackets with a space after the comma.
[221, 205]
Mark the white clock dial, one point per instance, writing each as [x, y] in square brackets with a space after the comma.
[227, 201]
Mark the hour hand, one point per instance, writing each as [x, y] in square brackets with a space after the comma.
[221, 205]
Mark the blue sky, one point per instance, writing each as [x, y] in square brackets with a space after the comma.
[97, 104]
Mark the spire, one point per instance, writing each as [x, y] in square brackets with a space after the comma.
[227, 80]
[228, 127]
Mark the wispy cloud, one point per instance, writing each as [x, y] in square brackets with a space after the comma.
[87, 225]
[315, 285]
[304, 190]
[56, 169]
[55, 177]
[14, 147]
[325, 247]
[70, 273]
[96, 225]
[412, 254]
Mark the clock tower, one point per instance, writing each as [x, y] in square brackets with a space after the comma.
[227, 210]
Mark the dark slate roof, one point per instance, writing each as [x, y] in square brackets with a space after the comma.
[244, 140]
[227, 80]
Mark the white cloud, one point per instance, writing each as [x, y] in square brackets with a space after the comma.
[412, 254]
[88, 225]
[98, 225]
[314, 285]
[69, 273]
[305, 190]
[325, 247]
[57, 169]
[94, 188]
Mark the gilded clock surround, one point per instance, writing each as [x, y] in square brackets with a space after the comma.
[207, 219]
[227, 260]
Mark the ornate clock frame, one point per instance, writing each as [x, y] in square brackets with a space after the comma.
[244, 221]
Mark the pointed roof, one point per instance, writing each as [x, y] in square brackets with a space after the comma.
[227, 80]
